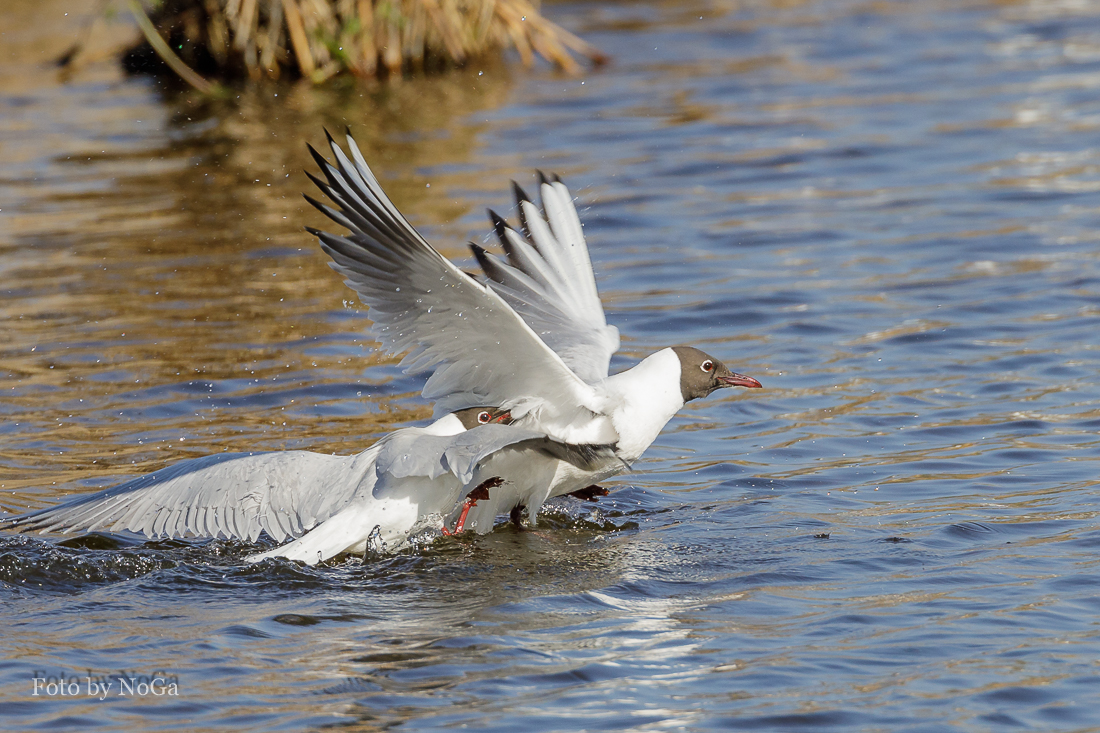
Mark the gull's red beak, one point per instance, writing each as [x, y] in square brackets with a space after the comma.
[733, 379]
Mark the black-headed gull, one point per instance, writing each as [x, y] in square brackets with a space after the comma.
[532, 340]
[325, 504]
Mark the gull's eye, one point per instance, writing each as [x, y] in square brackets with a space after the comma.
[484, 417]
[707, 366]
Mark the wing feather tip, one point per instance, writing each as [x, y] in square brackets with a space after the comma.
[481, 256]
[519, 193]
[500, 225]
[317, 157]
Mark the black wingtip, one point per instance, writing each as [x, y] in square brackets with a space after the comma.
[316, 204]
[500, 226]
[519, 193]
[522, 196]
[482, 258]
[482, 255]
[542, 178]
[318, 182]
[490, 265]
[328, 135]
[317, 157]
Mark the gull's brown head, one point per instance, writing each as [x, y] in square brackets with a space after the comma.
[471, 417]
[701, 374]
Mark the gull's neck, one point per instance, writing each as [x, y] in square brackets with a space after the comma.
[446, 425]
[648, 395]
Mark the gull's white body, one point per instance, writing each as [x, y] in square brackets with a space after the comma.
[640, 403]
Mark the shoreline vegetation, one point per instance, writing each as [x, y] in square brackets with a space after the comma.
[228, 40]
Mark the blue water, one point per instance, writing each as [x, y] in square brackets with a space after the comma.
[886, 212]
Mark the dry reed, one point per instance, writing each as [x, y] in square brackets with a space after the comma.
[319, 38]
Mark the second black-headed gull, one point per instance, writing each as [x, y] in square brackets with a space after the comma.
[532, 339]
[327, 505]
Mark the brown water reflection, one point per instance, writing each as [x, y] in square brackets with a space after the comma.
[155, 257]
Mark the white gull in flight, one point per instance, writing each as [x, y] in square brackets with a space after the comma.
[532, 340]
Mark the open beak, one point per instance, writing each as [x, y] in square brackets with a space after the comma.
[733, 379]
[504, 417]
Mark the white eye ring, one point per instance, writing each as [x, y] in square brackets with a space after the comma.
[707, 366]
[484, 417]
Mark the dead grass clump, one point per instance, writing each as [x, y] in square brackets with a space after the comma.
[319, 38]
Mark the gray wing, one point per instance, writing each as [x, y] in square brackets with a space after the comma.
[227, 495]
[548, 280]
[480, 351]
[406, 453]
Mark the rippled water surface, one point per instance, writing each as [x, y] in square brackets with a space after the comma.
[887, 212]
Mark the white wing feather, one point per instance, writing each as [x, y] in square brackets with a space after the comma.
[548, 280]
[480, 351]
[235, 495]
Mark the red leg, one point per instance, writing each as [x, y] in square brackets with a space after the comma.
[480, 492]
[461, 519]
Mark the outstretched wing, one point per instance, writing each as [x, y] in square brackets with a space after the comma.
[411, 453]
[480, 351]
[548, 279]
[234, 495]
